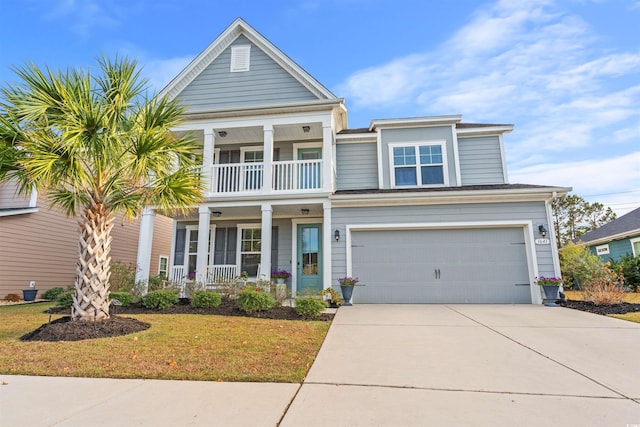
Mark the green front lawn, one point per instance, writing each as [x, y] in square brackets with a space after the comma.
[186, 347]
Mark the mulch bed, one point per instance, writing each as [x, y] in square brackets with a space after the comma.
[64, 329]
[622, 308]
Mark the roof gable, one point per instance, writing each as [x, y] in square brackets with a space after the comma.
[626, 224]
[299, 85]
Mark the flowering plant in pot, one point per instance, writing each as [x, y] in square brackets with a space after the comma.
[280, 275]
[346, 286]
[549, 281]
[332, 297]
[550, 286]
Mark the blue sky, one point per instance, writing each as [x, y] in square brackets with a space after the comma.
[566, 73]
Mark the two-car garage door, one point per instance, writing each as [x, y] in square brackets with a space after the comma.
[463, 265]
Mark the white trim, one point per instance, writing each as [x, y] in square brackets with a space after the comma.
[606, 239]
[418, 165]
[33, 200]
[380, 166]
[413, 122]
[503, 158]
[294, 248]
[356, 138]
[174, 230]
[249, 149]
[484, 130]
[302, 145]
[605, 249]
[456, 156]
[632, 241]
[553, 237]
[241, 227]
[9, 212]
[527, 226]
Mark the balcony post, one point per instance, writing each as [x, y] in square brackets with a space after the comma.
[202, 254]
[267, 171]
[327, 157]
[265, 249]
[207, 158]
[327, 244]
[145, 242]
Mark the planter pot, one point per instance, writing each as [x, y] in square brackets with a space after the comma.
[347, 293]
[550, 295]
[29, 294]
[280, 281]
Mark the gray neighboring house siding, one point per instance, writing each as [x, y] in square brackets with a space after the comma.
[356, 166]
[265, 83]
[480, 160]
[417, 134]
[520, 211]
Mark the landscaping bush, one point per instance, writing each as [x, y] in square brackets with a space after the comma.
[160, 300]
[310, 306]
[605, 287]
[156, 283]
[123, 276]
[125, 298]
[65, 299]
[206, 299]
[12, 298]
[630, 270]
[578, 265]
[251, 300]
[52, 293]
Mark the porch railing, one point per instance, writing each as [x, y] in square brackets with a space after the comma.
[289, 175]
[221, 273]
[177, 274]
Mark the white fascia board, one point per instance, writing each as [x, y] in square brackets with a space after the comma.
[484, 131]
[352, 138]
[11, 212]
[611, 238]
[259, 201]
[286, 108]
[471, 196]
[230, 34]
[415, 122]
[456, 155]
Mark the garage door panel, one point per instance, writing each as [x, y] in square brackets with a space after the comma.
[441, 266]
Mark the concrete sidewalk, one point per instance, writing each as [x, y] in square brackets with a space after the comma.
[387, 365]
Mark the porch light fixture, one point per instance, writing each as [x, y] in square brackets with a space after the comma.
[222, 133]
[306, 129]
[304, 211]
[336, 235]
[216, 213]
[542, 230]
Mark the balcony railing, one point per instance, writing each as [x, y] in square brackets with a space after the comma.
[290, 175]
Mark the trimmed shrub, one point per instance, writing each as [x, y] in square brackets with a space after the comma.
[123, 276]
[251, 300]
[310, 306]
[52, 293]
[160, 300]
[125, 298]
[206, 299]
[156, 283]
[65, 299]
[12, 298]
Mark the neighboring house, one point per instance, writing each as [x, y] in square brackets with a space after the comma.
[420, 209]
[615, 239]
[40, 244]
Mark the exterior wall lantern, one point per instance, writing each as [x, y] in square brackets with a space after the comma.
[336, 234]
[542, 230]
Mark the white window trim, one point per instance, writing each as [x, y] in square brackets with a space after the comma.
[241, 227]
[160, 264]
[240, 58]
[445, 169]
[303, 145]
[212, 241]
[605, 246]
[249, 149]
[632, 241]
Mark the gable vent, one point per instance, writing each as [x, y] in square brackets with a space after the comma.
[240, 58]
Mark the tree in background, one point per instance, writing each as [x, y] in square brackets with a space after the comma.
[96, 145]
[573, 216]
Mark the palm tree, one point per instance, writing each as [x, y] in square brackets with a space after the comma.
[97, 146]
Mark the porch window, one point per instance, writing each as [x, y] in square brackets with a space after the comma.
[250, 245]
[417, 165]
[163, 266]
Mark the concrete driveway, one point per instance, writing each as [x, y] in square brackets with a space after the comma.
[488, 365]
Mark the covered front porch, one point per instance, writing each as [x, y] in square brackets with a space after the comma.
[220, 242]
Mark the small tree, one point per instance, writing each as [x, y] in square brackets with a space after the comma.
[578, 265]
[97, 146]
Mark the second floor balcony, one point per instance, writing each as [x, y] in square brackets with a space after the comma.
[285, 176]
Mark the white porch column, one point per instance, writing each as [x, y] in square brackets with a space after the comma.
[265, 250]
[202, 256]
[267, 185]
[145, 241]
[327, 245]
[327, 157]
[207, 158]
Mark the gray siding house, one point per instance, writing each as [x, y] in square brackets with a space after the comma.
[420, 209]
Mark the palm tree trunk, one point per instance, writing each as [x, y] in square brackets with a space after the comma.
[91, 296]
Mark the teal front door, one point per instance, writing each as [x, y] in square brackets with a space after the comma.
[309, 277]
[309, 171]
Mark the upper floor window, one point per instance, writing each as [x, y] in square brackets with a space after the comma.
[417, 164]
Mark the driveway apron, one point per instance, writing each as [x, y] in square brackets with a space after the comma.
[472, 365]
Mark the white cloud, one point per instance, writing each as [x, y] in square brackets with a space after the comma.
[161, 71]
[85, 16]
